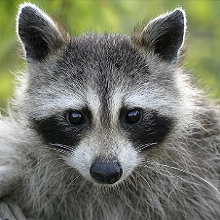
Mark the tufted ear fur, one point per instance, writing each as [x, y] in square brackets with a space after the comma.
[164, 35]
[37, 32]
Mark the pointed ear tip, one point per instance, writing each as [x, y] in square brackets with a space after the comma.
[23, 8]
[26, 6]
[179, 15]
[27, 9]
[179, 11]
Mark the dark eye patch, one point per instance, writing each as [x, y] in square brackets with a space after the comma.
[56, 129]
[151, 129]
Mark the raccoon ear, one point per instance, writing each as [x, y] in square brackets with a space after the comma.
[37, 32]
[164, 35]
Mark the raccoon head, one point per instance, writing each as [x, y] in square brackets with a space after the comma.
[104, 101]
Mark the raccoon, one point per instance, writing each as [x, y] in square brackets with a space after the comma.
[108, 127]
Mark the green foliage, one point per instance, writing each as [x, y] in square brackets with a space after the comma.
[78, 16]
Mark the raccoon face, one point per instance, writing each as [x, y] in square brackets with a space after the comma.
[103, 101]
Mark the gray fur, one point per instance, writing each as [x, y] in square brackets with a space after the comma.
[177, 178]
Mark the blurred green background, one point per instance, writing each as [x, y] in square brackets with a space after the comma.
[78, 16]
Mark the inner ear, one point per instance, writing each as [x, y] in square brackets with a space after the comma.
[164, 35]
[37, 32]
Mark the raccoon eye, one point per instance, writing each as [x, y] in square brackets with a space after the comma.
[74, 118]
[133, 116]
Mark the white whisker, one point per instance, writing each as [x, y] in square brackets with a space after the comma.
[194, 175]
[142, 147]
[143, 178]
[182, 170]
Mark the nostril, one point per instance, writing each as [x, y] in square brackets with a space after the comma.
[106, 172]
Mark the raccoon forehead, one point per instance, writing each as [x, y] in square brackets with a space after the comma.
[109, 55]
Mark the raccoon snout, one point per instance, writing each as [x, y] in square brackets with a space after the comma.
[106, 172]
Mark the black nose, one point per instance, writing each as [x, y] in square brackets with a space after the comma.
[106, 172]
